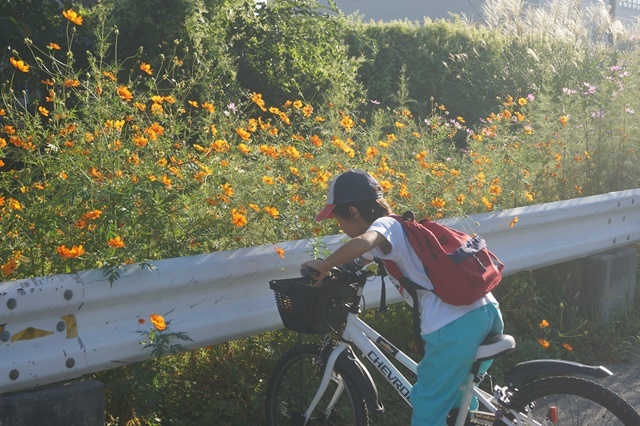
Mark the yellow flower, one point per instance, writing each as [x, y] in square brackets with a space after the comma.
[238, 218]
[495, 189]
[146, 68]
[116, 242]
[19, 64]
[257, 99]
[272, 211]
[513, 222]
[244, 149]
[347, 123]
[438, 202]
[244, 135]
[543, 343]
[14, 204]
[522, 101]
[528, 130]
[227, 189]
[72, 16]
[280, 251]
[564, 120]
[268, 180]
[158, 322]
[43, 111]
[307, 110]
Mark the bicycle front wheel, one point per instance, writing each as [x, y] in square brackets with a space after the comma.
[571, 401]
[294, 383]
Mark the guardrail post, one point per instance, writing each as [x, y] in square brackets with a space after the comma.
[79, 403]
[601, 284]
[610, 281]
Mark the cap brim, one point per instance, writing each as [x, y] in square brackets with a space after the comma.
[325, 213]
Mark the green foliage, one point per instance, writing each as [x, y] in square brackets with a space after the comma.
[304, 54]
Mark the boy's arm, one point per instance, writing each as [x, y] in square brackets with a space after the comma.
[350, 250]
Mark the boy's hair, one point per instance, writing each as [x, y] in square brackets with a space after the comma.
[370, 210]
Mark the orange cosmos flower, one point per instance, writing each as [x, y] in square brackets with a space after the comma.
[43, 111]
[146, 68]
[54, 46]
[543, 343]
[71, 253]
[124, 93]
[543, 324]
[438, 202]
[238, 218]
[10, 267]
[244, 149]
[272, 211]
[567, 347]
[243, 134]
[70, 82]
[513, 222]
[564, 120]
[19, 64]
[209, 107]
[158, 322]
[72, 16]
[116, 242]
[280, 251]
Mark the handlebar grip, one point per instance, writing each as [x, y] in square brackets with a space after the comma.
[307, 271]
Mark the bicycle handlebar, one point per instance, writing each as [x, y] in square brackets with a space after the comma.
[347, 273]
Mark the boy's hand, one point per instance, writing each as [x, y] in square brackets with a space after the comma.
[318, 266]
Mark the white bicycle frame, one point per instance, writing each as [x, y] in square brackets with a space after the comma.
[360, 335]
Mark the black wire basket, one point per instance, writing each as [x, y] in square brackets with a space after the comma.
[309, 309]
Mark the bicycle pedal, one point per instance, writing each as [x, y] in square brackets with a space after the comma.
[481, 418]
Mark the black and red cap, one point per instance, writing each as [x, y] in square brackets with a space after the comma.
[352, 185]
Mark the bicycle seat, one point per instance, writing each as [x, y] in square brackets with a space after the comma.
[495, 345]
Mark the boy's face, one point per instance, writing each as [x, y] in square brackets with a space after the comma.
[353, 225]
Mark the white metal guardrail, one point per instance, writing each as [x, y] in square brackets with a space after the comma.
[61, 327]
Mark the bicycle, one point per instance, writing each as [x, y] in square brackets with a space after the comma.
[327, 383]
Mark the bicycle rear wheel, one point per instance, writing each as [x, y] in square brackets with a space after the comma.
[294, 383]
[573, 401]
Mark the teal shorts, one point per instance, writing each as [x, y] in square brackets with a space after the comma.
[449, 355]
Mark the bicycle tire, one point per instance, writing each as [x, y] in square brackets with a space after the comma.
[294, 382]
[577, 402]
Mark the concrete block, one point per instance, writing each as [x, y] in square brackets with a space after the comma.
[79, 403]
[610, 281]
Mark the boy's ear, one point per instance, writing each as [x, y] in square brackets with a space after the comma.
[354, 213]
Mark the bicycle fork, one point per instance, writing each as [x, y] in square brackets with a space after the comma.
[324, 384]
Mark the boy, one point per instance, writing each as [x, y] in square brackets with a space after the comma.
[451, 333]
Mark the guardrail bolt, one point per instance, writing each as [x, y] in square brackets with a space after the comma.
[13, 374]
[68, 294]
[61, 326]
[5, 336]
[70, 362]
[12, 303]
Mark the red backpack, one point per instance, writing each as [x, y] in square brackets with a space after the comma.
[459, 266]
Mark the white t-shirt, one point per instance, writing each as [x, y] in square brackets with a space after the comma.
[435, 313]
